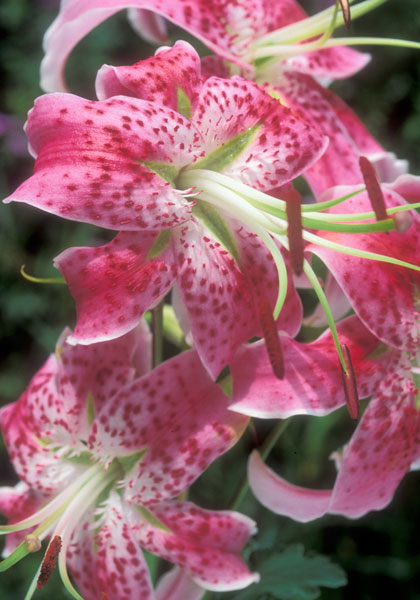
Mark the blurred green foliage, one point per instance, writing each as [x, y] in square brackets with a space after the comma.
[380, 552]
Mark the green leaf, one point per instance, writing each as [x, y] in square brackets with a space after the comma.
[290, 575]
[223, 156]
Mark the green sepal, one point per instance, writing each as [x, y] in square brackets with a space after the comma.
[159, 244]
[223, 156]
[183, 103]
[129, 461]
[212, 220]
[163, 170]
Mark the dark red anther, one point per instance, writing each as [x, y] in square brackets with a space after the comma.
[349, 383]
[272, 338]
[294, 230]
[373, 188]
[345, 9]
[49, 562]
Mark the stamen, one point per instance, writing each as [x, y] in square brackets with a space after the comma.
[41, 279]
[373, 188]
[272, 338]
[49, 562]
[294, 230]
[349, 383]
[345, 9]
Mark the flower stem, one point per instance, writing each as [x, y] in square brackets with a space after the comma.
[264, 450]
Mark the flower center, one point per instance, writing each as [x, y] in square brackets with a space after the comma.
[58, 519]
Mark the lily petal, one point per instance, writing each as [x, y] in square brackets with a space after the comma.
[282, 146]
[382, 295]
[179, 416]
[204, 543]
[384, 445]
[158, 79]
[281, 497]
[177, 585]
[114, 284]
[109, 142]
[329, 63]
[312, 383]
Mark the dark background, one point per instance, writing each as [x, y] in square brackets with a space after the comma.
[380, 552]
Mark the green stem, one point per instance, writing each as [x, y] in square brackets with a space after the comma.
[264, 450]
[157, 331]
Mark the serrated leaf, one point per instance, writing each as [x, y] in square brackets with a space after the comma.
[290, 575]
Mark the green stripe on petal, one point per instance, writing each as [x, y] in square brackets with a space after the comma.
[163, 170]
[129, 461]
[214, 223]
[154, 521]
[183, 103]
[159, 244]
[226, 154]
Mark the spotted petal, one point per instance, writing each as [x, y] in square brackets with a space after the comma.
[339, 163]
[276, 145]
[384, 296]
[17, 503]
[380, 452]
[312, 383]
[177, 585]
[204, 543]
[114, 284]
[329, 63]
[170, 78]
[178, 416]
[122, 570]
[90, 161]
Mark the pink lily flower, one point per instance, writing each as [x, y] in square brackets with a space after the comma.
[236, 32]
[383, 295]
[133, 153]
[348, 137]
[382, 449]
[102, 450]
[312, 384]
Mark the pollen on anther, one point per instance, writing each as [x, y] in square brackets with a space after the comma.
[294, 230]
[373, 188]
[49, 562]
[272, 338]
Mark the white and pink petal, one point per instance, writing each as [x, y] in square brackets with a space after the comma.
[312, 383]
[280, 146]
[113, 285]
[178, 417]
[206, 544]
[110, 143]
[384, 296]
[161, 78]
